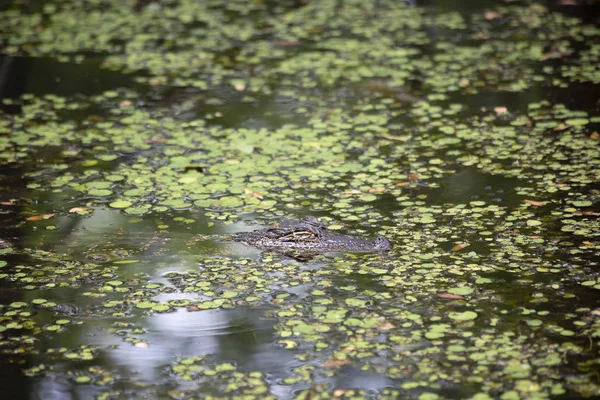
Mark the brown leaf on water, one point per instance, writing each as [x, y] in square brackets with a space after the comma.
[595, 135]
[490, 15]
[351, 191]
[287, 43]
[192, 308]
[534, 203]
[376, 190]
[413, 177]
[561, 127]
[40, 217]
[500, 110]
[7, 203]
[253, 193]
[587, 213]
[554, 54]
[240, 86]
[155, 82]
[567, 2]
[385, 326]
[588, 243]
[450, 296]
[79, 209]
[339, 392]
[125, 103]
[460, 246]
[402, 184]
[335, 363]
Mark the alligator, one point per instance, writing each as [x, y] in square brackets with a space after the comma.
[312, 236]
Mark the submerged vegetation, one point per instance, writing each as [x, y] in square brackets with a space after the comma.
[469, 139]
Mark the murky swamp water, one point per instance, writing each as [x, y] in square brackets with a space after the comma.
[137, 137]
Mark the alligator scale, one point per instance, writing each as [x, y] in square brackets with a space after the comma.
[310, 235]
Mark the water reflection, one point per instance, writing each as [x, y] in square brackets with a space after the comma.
[243, 336]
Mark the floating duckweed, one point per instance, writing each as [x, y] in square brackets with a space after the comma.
[153, 285]
[534, 322]
[52, 328]
[229, 294]
[120, 204]
[179, 303]
[582, 203]
[143, 209]
[462, 316]
[146, 304]
[83, 379]
[100, 192]
[356, 302]
[577, 121]
[463, 291]
[160, 307]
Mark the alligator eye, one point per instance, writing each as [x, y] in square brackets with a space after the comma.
[382, 243]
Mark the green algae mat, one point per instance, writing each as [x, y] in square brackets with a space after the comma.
[143, 135]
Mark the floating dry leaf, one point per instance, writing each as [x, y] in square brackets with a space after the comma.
[460, 246]
[386, 326]
[253, 193]
[450, 296]
[561, 127]
[79, 209]
[534, 202]
[490, 15]
[335, 363]
[40, 217]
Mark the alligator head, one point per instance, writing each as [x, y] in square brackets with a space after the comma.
[310, 235]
